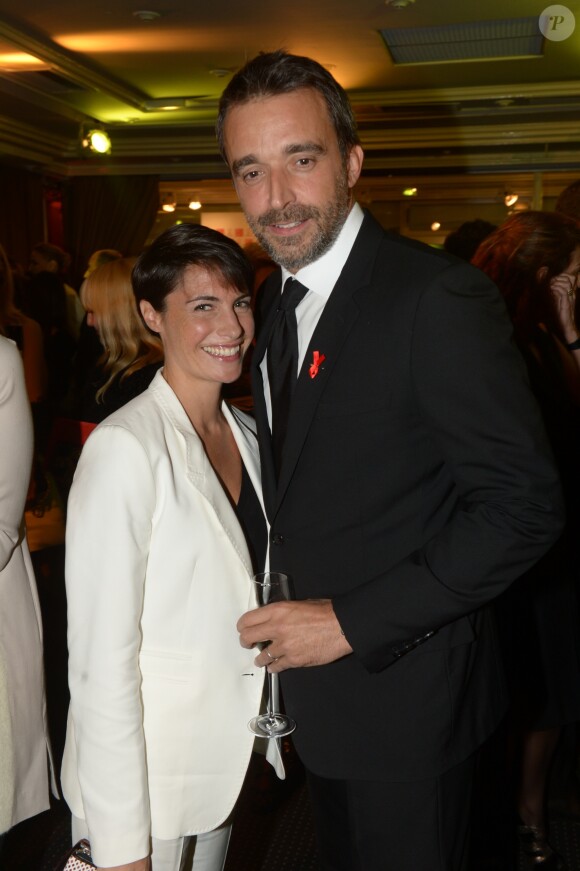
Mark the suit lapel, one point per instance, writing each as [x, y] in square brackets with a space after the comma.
[271, 293]
[337, 320]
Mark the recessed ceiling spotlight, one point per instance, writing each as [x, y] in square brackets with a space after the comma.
[164, 104]
[168, 203]
[399, 4]
[146, 15]
[97, 140]
[220, 73]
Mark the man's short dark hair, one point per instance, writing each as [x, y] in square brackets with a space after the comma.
[270, 74]
[465, 241]
[162, 265]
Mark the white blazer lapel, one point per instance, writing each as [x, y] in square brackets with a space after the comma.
[199, 470]
[202, 475]
[247, 442]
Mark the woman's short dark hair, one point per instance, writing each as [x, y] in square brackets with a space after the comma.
[161, 267]
[273, 73]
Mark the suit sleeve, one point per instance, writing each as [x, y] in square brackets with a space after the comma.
[471, 390]
[15, 450]
[110, 512]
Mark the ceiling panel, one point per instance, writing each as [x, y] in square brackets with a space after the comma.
[65, 64]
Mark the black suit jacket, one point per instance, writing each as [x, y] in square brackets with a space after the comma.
[416, 484]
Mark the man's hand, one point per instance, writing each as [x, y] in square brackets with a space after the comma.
[300, 634]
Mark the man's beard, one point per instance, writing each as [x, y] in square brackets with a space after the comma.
[293, 252]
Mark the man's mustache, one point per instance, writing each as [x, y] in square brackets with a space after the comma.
[288, 215]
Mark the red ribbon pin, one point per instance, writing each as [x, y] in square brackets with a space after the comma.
[317, 360]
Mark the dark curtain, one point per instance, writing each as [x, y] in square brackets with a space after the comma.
[22, 213]
[108, 212]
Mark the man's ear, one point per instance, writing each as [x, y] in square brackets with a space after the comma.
[354, 165]
[150, 315]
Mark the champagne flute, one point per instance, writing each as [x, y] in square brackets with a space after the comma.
[272, 587]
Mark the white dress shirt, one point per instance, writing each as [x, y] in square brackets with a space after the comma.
[319, 277]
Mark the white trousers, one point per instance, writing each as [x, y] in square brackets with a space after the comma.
[205, 852]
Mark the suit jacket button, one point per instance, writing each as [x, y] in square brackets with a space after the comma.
[277, 539]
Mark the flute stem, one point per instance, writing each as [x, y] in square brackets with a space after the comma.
[272, 700]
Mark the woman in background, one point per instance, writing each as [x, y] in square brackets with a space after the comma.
[24, 756]
[529, 257]
[132, 354]
[165, 527]
[23, 330]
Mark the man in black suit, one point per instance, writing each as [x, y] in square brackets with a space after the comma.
[414, 484]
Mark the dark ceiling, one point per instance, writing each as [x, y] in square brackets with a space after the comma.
[65, 66]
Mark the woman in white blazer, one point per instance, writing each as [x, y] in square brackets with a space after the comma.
[158, 571]
[24, 789]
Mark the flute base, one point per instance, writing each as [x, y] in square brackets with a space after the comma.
[272, 725]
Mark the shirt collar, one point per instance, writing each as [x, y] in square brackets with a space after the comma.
[321, 276]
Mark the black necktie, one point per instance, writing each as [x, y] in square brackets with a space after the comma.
[283, 362]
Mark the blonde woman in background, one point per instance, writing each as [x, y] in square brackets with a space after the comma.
[89, 348]
[132, 355]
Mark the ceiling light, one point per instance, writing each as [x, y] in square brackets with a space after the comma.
[168, 104]
[18, 61]
[510, 199]
[164, 104]
[410, 192]
[399, 4]
[98, 141]
[146, 15]
[435, 226]
[168, 202]
[194, 205]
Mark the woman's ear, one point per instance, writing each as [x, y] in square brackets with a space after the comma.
[541, 274]
[150, 315]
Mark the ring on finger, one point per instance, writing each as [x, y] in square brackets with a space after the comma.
[272, 658]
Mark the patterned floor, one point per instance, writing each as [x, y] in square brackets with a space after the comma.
[272, 832]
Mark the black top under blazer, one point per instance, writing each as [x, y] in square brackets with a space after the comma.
[416, 484]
